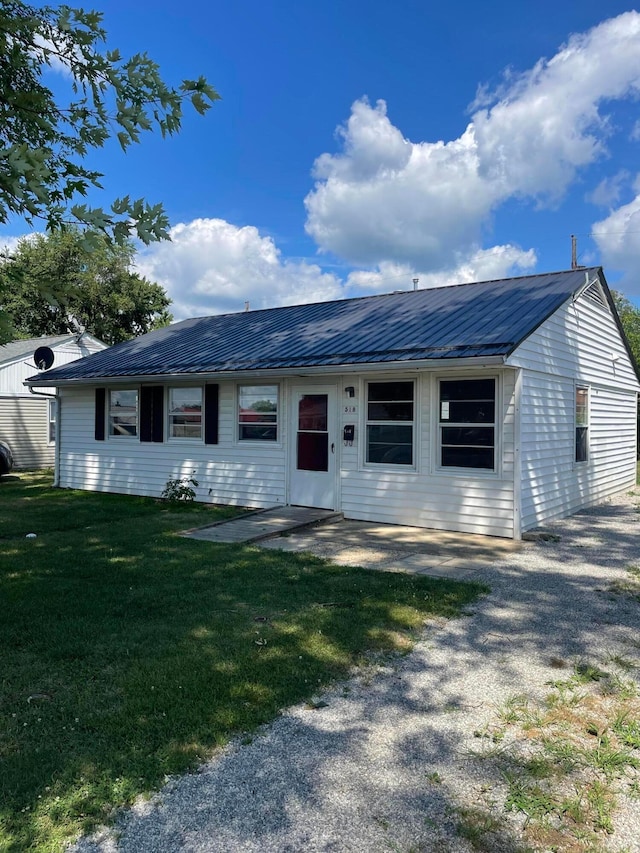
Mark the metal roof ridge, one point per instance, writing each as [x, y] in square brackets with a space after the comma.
[372, 296]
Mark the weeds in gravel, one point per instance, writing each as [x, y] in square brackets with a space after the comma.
[564, 763]
[629, 587]
[621, 662]
[479, 828]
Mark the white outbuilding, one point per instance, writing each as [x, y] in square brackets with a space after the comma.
[28, 421]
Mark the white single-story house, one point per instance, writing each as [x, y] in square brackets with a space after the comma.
[27, 420]
[489, 407]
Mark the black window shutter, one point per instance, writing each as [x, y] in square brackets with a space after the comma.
[152, 413]
[157, 430]
[211, 414]
[101, 394]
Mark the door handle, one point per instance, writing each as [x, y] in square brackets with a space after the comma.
[333, 448]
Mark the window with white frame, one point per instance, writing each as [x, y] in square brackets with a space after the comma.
[123, 412]
[52, 420]
[390, 423]
[258, 412]
[467, 423]
[185, 413]
[582, 423]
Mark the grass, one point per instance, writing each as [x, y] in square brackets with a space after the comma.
[129, 653]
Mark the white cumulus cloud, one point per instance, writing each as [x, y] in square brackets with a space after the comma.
[211, 267]
[609, 190]
[618, 238]
[383, 197]
[479, 265]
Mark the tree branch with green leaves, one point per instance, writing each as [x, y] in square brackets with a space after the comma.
[630, 318]
[43, 142]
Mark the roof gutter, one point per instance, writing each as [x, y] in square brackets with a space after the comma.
[41, 393]
[316, 370]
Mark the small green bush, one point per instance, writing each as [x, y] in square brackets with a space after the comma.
[180, 489]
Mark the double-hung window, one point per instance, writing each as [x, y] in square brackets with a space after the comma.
[390, 423]
[123, 412]
[582, 423]
[467, 423]
[258, 412]
[185, 413]
[53, 405]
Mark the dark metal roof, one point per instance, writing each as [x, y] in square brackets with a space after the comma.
[462, 321]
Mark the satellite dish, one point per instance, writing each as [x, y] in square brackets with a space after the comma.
[43, 358]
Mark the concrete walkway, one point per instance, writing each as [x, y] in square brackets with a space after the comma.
[256, 526]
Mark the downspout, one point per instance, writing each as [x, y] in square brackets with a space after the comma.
[56, 449]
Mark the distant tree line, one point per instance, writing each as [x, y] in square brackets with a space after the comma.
[630, 318]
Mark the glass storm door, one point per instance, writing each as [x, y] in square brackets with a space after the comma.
[313, 449]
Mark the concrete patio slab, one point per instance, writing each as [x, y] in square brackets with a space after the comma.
[386, 547]
[395, 548]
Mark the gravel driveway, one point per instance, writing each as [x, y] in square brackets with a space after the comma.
[386, 764]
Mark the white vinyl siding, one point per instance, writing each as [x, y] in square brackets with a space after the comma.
[229, 472]
[470, 502]
[255, 474]
[580, 341]
[24, 426]
[578, 346]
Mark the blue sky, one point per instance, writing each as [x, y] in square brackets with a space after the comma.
[359, 145]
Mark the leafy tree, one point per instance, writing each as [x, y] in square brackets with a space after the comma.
[44, 138]
[630, 319]
[52, 283]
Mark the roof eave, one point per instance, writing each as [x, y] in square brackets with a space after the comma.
[315, 370]
[618, 321]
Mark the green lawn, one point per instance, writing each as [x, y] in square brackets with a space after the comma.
[128, 653]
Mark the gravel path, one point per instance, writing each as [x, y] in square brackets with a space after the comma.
[358, 774]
